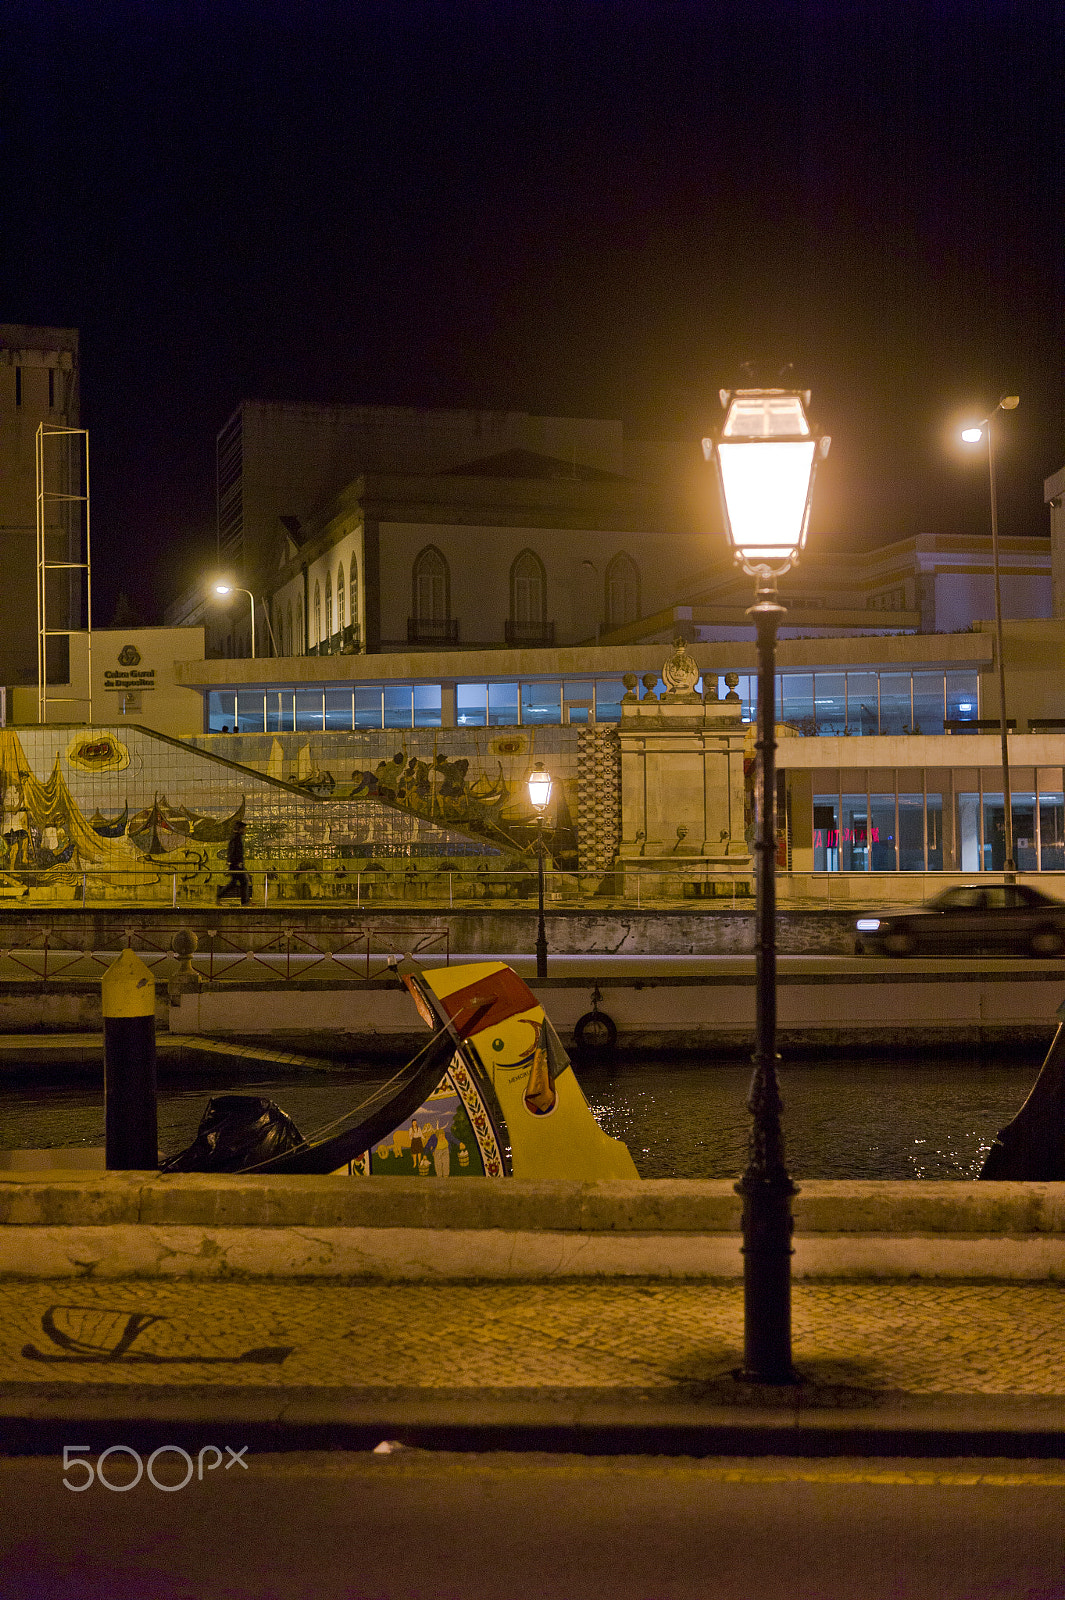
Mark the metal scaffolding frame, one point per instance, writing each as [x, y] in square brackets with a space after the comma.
[65, 464]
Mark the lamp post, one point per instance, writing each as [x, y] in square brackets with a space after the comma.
[766, 453]
[594, 570]
[539, 795]
[222, 589]
[1009, 402]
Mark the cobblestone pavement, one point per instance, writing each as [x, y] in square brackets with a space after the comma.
[915, 1338]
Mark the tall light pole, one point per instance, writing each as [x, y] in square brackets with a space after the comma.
[1009, 402]
[766, 453]
[539, 795]
[594, 570]
[222, 589]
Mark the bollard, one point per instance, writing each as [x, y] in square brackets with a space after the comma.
[128, 996]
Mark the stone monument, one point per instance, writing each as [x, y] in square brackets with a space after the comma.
[682, 786]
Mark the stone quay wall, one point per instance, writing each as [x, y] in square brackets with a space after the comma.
[142, 1225]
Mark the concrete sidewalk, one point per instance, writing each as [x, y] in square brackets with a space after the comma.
[904, 1368]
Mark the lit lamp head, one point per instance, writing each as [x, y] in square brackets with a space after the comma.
[766, 453]
[539, 788]
[222, 589]
[1009, 402]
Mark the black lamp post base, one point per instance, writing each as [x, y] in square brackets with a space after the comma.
[767, 1232]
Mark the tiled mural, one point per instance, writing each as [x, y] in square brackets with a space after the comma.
[119, 813]
[470, 778]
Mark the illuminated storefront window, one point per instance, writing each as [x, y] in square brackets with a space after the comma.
[935, 820]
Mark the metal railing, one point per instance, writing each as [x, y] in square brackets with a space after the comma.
[284, 954]
[335, 886]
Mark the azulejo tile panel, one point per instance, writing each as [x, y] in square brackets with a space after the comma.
[120, 813]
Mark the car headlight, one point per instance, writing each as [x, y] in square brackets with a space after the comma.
[868, 924]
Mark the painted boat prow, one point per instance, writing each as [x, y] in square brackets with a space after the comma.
[541, 1119]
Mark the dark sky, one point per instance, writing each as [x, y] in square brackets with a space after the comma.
[600, 207]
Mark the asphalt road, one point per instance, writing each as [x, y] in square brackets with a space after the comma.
[424, 1526]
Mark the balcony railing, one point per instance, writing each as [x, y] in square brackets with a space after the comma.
[532, 633]
[432, 630]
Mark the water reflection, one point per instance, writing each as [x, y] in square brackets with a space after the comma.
[900, 1118]
[854, 1118]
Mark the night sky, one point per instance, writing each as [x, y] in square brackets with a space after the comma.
[591, 207]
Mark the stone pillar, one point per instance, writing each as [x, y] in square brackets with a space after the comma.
[682, 784]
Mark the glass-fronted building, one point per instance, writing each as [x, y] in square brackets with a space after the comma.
[936, 819]
[854, 703]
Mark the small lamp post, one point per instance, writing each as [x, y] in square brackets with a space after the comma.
[223, 589]
[766, 453]
[539, 795]
[1009, 402]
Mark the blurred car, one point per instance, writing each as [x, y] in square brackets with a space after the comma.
[972, 918]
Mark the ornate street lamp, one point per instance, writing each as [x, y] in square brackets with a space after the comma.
[539, 795]
[1009, 402]
[766, 453]
[224, 589]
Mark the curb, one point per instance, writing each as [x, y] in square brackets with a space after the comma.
[35, 1420]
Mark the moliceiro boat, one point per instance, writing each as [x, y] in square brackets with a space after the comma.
[492, 1094]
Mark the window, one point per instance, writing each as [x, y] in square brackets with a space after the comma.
[622, 591]
[18, 386]
[340, 599]
[317, 612]
[329, 605]
[293, 648]
[427, 705]
[432, 586]
[251, 711]
[301, 637]
[502, 705]
[608, 693]
[221, 711]
[353, 609]
[528, 590]
[471, 705]
[541, 703]
[280, 711]
[398, 705]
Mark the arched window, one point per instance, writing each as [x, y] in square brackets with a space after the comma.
[293, 646]
[432, 586]
[528, 591]
[279, 628]
[354, 595]
[301, 636]
[317, 612]
[340, 598]
[329, 605]
[622, 591]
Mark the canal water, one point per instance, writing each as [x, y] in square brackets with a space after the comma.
[907, 1116]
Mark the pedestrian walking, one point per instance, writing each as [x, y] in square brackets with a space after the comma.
[239, 876]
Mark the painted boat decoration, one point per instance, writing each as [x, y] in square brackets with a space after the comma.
[510, 1104]
[109, 827]
[492, 1094]
[161, 828]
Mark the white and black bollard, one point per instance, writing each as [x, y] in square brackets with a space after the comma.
[128, 996]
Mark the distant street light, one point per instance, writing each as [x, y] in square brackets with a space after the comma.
[223, 589]
[539, 795]
[766, 454]
[1009, 402]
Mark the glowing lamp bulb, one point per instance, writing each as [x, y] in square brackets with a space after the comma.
[539, 787]
[972, 435]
